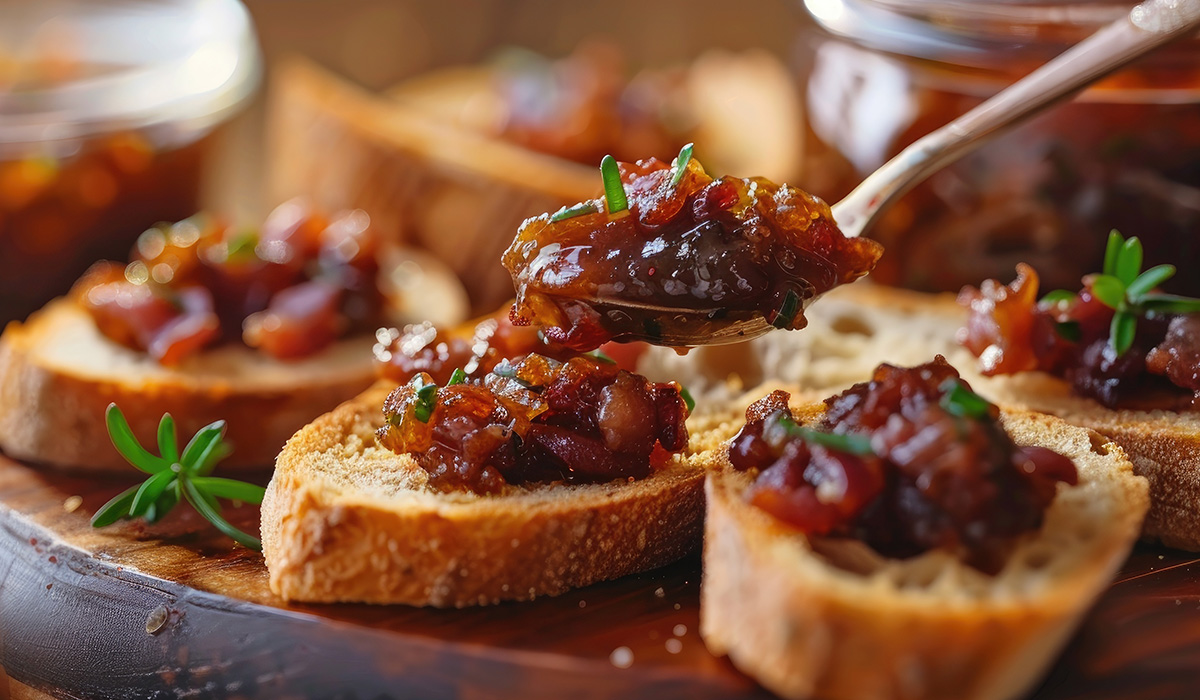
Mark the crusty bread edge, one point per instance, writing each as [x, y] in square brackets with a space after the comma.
[50, 416]
[328, 544]
[801, 627]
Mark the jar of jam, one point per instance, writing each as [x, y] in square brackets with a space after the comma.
[107, 112]
[1124, 155]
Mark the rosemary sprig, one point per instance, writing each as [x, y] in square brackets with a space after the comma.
[614, 190]
[1126, 289]
[175, 476]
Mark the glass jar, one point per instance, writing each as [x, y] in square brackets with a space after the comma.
[107, 110]
[1125, 154]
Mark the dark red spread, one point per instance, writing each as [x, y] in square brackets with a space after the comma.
[539, 420]
[584, 106]
[1152, 363]
[908, 462]
[475, 347]
[692, 255]
[289, 289]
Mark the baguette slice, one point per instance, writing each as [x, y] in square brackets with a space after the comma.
[854, 328]
[58, 374]
[832, 619]
[346, 520]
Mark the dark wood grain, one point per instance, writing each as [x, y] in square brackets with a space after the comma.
[75, 603]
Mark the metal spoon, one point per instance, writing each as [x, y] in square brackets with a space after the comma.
[1148, 26]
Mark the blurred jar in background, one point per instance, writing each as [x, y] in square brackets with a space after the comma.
[1124, 155]
[107, 110]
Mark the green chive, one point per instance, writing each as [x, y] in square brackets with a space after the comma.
[687, 399]
[614, 191]
[1148, 280]
[960, 401]
[458, 377]
[426, 401]
[577, 210]
[786, 314]
[681, 163]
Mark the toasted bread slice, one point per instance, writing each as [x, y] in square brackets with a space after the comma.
[58, 374]
[347, 520]
[832, 619]
[854, 328]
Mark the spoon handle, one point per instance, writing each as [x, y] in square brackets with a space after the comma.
[1147, 27]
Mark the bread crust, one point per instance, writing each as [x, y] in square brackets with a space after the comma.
[58, 374]
[345, 520]
[928, 627]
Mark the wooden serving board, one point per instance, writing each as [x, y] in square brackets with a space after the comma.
[174, 610]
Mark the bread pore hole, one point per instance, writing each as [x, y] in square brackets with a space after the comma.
[846, 324]
[1099, 443]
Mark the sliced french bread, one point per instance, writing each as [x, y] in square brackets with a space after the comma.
[347, 520]
[854, 328]
[830, 618]
[58, 374]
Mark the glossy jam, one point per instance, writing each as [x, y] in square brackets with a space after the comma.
[539, 420]
[699, 258]
[1011, 331]
[290, 289]
[930, 479]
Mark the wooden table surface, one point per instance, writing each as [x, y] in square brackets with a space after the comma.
[173, 610]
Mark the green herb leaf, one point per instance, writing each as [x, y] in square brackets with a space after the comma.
[1057, 296]
[165, 503]
[123, 439]
[687, 398]
[577, 210]
[231, 489]
[147, 495]
[1069, 330]
[596, 354]
[1121, 332]
[958, 400]
[614, 190]
[204, 449]
[1170, 303]
[849, 443]
[242, 246]
[204, 507]
[1112, 251]
[786, 314]
[458, 377]
[1129, 261]
[1148, 280]
[1109, 290]
[681, 163]
[426, 401]
[116, 508]
[167, 445]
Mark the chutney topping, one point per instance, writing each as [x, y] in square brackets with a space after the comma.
[910, 461]
[290, 289]
[1123, 345]
[537, 420]
[691, 255]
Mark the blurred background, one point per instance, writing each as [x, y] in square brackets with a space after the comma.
[119, 113]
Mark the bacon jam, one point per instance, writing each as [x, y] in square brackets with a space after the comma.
[908, 462]
[290, 289]
[684, 255]
[539, 420]
[1145, 355]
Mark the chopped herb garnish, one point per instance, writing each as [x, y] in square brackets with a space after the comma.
[960, 401]
[426, 402]
[458, 377]
[681, 163]
[598, 355]
[786, 314]
[174, 477]
[242, 246]
[1069, 330]
[687, 398]
[1128, 291]
[577, 210]
[849, 443]
[614, 190]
